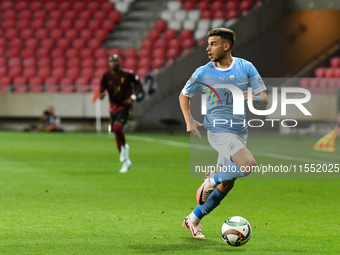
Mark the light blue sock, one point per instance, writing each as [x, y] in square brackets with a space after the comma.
[228, 173]
[212, 202]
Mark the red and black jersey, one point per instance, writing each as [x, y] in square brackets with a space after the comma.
[119, 87]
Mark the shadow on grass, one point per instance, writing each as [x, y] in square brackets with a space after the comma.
[187, 245]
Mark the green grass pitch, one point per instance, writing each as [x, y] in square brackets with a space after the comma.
[61, 193]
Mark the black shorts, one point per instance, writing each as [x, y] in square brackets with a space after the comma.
[121, 116]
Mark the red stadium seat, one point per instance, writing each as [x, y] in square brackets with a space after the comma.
[144, 53]
[23, 24]
[100, 35]
[172, 53]
[206, 14]
[130, 64]
[188, 43]
[157, 63]
[85, 53]
[20, 85]
[102, 63]
[27, 53]
[14, 62]
[26, 14]
[65, 24]
[44, 72]
[108, 7]
[93, 7]
[232, 14]
[57, 53]
[36, 6]
[219, 14]
[329, 73]
[99, 72]
[73, 63]
[160, 25]
[35, 84]
[216, 6]
[158, 53]
[231, 5]
[82, 84]
[202, 6]
[79, 6]
[50, 6]
[66, 85]
[175, 44]
[41, 34]
[58, 73]
[32, 43]
[43, 52]
[153, 34]
[51, 85]
[87, 63]
[7, 5]
[144, 63]
[51, 24]
[3, 43]
[26, 34]
[95, 82]
[100, 53]
[11, 34]
[146, 44]
[130, 53]
[44, 62]
[3, 61]
[170, 34]
[5, 81]
[142, 72]
[336, 72]
[320, 72]
[115, 16]
[58, 63]
[40, 15]
[13, 53]
[161, 43]
[55, 16]
[56, 34]
[335, 62]
[8, 24]
[78, 44]
[22, 5]
[93, 25]
[72, 73]
[29, 72]
[85, 16]
[9, 15]
[15, 43]
[94, 44]
[185, 34]
[86, 34]
[70, 15]
[28, 63]
[63, 44]
[71, 53]
[100, 16]
[71, 35]
[108, 25]
[64, 6]
[3, 71]
[79, 25]
[245, 5]
[86, 73]
[188, 6]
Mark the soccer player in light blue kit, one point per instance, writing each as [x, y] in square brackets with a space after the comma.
[227, 132]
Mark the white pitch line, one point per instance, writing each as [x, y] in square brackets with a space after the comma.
[206, 147]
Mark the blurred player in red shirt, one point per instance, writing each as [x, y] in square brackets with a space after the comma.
[122, 86]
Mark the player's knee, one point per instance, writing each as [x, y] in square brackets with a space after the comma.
[117, 127]
[248, 166]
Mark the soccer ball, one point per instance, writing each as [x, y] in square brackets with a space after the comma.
[236, 231]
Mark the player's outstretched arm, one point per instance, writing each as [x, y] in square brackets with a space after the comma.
[192, 125]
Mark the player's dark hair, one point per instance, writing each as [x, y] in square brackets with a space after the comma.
[225, 33]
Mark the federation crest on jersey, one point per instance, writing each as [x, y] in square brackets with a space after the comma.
[231, 77]
[231, 146]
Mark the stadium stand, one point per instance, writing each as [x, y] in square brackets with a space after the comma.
[47, 45]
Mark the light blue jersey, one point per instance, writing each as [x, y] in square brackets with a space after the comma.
[242, 74]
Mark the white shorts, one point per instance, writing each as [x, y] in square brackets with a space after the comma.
[226, 144]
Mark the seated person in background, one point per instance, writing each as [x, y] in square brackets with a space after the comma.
[50, 121]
